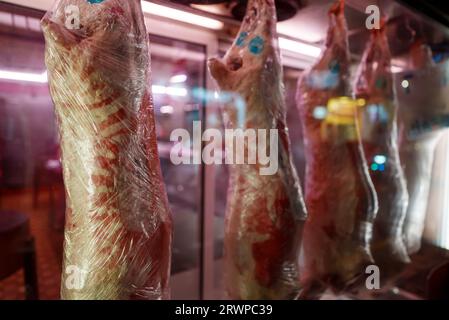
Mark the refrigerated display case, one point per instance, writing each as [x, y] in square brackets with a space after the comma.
[31, 167]
[183, 92]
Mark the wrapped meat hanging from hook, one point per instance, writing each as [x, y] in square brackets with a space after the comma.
[265, 212]
[422, 117]
[378, 128]
[118, 223]
[340, 197]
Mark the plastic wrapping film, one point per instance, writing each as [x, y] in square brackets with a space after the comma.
[118, 223]
[378, 130]
[340, 196]
[265, 213]
[423, 109]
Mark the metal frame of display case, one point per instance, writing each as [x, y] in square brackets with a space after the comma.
[207, 174]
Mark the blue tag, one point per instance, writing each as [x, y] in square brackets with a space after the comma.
[241, 39]
[323, 80]
[438, 58]
[256, 45]
[95, 1]
[381, 83]
[377, 112]
[334, 66]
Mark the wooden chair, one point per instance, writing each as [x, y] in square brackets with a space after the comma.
[17, 251]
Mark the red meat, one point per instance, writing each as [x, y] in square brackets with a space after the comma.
[118, 230]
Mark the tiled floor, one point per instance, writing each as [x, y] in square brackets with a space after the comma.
[49, 257]
[48, 248]
[49, 252]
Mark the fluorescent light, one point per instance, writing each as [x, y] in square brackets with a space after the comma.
[167, 109]
[396, 69]
[175, 14]
[179, 78]
[24, 76]
[159, 89]
[289, 28]
[191, 18]
[172, 91]
[208, 8]
[299, 47]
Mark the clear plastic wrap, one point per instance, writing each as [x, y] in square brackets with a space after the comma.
[340, 197]
[265, 213]
[422, 92]
[118, 225]
[378, 130]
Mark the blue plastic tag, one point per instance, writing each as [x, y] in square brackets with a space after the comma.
[256, 45]
[241, 39]
[323, 80]
[334, 67]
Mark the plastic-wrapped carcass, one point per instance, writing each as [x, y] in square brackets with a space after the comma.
[265, 211]
[423, 107]
[118, 223]
[378, 131]
[340, 197]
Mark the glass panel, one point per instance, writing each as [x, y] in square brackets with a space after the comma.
[31, 190]
[31, 186]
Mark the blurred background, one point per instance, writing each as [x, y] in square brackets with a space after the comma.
[183, 35]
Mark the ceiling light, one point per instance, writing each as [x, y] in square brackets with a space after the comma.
[167, 109]
[24, 76]
[179, 15]
[172, 91]
[396, 69]
[179, 78]
[299, 47]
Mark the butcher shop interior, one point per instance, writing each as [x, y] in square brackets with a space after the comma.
[355, 91]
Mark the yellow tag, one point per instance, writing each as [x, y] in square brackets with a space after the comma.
[342, 110]
[340, 121]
